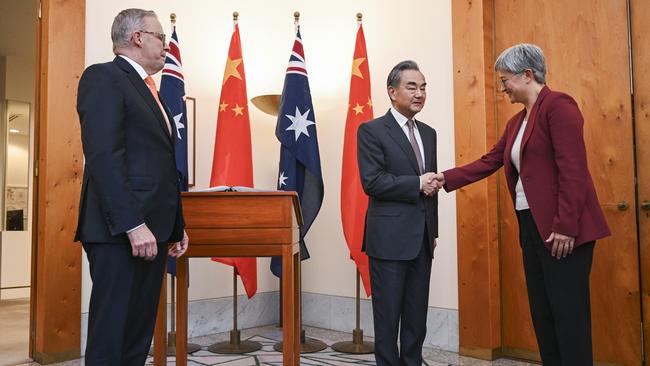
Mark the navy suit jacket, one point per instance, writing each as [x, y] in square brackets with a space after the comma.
[397, 210]
[130, 175]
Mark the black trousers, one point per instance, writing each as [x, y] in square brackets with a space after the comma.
[123, 304]
[558, 295]
[400, 299]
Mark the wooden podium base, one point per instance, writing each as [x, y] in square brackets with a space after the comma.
[239, 224]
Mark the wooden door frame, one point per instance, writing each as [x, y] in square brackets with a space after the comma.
[55, 310]
[479, 287]
[476, 130]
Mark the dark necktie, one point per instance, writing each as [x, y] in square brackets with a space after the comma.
[414, 145]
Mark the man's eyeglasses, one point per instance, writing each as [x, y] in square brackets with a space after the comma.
[160, 36]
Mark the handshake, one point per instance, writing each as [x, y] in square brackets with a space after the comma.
[431, 183]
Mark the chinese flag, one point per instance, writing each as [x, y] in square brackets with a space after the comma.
[232, 164]
[354, 201]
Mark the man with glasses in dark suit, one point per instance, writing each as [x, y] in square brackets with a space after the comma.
[130, 206]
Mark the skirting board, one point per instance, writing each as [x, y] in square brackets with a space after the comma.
[212, 316]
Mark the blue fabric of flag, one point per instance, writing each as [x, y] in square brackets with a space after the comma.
[299, 168]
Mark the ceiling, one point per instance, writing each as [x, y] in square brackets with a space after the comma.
[18, 117]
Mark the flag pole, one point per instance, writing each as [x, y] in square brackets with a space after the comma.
[171, 335]
[357, 345]
[235, 345]
[307, 345]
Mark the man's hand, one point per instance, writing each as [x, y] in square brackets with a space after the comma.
[432, 183]
[440, 178]
[143, 243]
[179, 248]
[427, 184]
[562, 245]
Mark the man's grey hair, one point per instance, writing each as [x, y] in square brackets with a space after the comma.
[520, 57]
[125, 23]
[395, 75]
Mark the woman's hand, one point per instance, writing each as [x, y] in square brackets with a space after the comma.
[562, 245]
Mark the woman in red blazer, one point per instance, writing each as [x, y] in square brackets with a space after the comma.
[543, 154]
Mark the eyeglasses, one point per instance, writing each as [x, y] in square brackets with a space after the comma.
[503, 81]
[160, 36]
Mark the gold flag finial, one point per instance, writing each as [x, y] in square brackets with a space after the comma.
[172, 17]
[359, 16]
[235, 16]
[296, 16]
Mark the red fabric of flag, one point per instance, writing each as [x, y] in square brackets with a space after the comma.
[232, 163]
[354, 201]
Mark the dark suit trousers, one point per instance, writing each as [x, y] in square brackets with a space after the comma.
[558, 295]
[123, 304]
[400, 299]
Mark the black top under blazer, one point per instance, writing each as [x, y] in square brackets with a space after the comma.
[397, 210]
[130, 175]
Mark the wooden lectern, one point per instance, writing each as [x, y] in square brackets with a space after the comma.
[238, 224]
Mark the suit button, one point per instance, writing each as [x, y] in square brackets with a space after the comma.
[526, 179]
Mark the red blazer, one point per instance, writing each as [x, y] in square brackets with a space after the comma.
[555, 177]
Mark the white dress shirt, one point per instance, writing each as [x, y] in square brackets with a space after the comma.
[401, 121]
[521, 203]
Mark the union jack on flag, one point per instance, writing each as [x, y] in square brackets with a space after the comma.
[300, 168]
[172, 93]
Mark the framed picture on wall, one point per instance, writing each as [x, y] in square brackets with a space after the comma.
[190, 103]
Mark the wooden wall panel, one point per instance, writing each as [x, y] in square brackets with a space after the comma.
[56, 295]
[475, 133]
[640, 21]
[586, 46]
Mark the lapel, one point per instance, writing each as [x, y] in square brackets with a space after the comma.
[397, 134]
[143, 89]
[532, 118]
[426, 146]
[530, 126]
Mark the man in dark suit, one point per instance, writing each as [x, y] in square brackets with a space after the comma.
[395, 152]
[130, 206]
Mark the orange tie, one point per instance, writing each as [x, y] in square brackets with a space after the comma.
[152, 88]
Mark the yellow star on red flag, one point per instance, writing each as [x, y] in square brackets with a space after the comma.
[358, 109]
[231, 69]
[223, 106]
[356, 63]
[238, 110]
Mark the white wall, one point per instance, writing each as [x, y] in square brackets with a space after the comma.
[18, 151]
[328, 29]
[18, 48]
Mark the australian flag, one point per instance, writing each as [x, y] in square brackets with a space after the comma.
[172, 92]
[299, 157]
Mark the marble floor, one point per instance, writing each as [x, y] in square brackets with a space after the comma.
[14, 324]
[14, 331]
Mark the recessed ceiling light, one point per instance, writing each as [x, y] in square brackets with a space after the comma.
[13, 130]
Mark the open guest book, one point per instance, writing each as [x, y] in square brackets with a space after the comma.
[233, 189]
